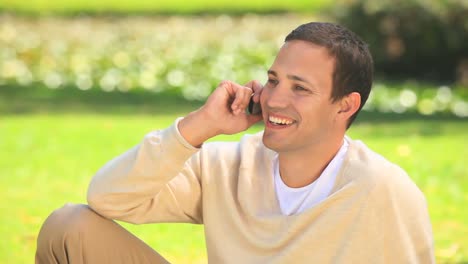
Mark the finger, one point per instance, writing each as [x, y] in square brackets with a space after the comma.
[257, 88]
[230, 91]
[229, 87]
[242, 98]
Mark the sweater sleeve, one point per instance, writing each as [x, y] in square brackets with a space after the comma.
[156, 181]
[401, 217]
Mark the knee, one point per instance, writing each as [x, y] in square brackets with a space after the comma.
[71, 216]
[67, 221]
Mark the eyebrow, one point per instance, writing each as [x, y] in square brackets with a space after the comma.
[292, 77]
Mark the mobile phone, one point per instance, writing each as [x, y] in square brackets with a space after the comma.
[254, 108]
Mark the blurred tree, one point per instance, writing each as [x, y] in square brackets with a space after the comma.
[412, 38]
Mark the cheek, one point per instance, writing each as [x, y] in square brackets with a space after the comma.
[263, 96]
[262, 103]
[312, 113]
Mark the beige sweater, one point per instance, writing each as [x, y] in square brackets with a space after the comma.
[374, 214]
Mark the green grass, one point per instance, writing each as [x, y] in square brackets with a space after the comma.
[48, 156]
[162, 7]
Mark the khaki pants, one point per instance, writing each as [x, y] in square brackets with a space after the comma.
[76, 234]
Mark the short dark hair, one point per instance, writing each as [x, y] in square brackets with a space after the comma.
[354, 68]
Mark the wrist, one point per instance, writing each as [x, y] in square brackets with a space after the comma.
[196, 128]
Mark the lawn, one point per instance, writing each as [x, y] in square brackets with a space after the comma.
[48, 158]
[168, 7]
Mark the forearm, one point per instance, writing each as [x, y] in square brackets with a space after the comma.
[126, 185]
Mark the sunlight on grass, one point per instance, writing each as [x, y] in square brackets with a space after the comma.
[149, 6]
[48, 160]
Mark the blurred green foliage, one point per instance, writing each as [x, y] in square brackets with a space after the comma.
[412, 38]
[189, 54]
[186, 56]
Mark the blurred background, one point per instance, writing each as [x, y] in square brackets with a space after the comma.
[83, 81]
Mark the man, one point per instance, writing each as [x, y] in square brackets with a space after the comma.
[299, 192]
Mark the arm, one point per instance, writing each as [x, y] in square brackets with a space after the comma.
[134, 186]
[401, 217]
[159, 180]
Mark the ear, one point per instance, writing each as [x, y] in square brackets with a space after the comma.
[349, 105]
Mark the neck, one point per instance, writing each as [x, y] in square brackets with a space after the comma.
[298, 169]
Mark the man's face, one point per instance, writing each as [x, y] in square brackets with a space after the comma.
[297, 110]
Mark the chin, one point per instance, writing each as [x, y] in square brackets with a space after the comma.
[273, 145]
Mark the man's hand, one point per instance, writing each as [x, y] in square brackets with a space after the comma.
[223, 113]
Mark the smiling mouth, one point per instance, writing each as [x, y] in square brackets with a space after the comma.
[277, 121]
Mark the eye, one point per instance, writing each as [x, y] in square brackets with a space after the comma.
[300, 88]
[272, 81]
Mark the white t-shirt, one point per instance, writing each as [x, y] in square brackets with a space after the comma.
[296, 200]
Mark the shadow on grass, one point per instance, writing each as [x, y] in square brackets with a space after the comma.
[18, 100]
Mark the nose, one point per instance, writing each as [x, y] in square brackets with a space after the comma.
[275, 98]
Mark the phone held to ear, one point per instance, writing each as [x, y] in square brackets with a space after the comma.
[254, 108]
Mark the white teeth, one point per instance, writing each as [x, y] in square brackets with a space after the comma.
[281, 121]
